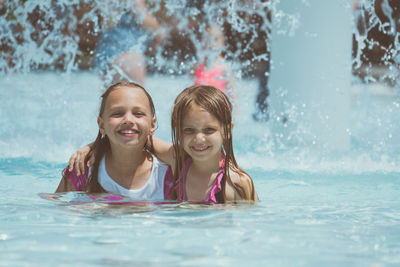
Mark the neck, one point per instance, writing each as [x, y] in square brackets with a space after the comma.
[126, 160]
[208, 166]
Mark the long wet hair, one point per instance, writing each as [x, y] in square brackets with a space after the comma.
[101, 145]
[217, 104]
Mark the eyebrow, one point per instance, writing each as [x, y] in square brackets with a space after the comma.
[117, 106]
[192, 125]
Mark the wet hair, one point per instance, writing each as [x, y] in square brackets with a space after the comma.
[217, 104]
[101, 145]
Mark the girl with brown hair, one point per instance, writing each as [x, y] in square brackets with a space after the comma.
[204, 168]
[122, 163]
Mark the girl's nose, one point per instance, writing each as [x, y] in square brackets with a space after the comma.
[128, 119]
[200, 137]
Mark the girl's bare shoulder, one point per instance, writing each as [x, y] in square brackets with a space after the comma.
[242, 180]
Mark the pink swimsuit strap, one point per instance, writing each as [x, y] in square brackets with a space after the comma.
[78, 182]
[215, 188]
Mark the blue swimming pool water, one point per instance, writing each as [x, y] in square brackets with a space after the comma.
[318, 207]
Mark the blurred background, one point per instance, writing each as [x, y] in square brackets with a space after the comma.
[55, 27]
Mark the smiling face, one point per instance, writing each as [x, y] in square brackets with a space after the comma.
[127, 119]
[201, 135]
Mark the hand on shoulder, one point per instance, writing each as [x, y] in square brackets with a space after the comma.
[77, 160]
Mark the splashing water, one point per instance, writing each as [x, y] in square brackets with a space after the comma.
[52, 34]
[62, 35]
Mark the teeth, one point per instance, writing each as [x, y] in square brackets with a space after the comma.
[128, 131]
[200, 147]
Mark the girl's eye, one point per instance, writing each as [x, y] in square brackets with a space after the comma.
[139, 114]
[209, 130]
[188, 130]
[116, 114]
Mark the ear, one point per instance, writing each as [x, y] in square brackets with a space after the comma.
[232, 124]
[100, 122]
[153, 125]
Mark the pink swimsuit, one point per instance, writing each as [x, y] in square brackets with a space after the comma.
[179, 186]
[78, 182]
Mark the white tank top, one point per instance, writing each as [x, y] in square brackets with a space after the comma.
[152, 190]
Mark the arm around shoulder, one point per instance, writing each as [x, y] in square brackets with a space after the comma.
[164, 151]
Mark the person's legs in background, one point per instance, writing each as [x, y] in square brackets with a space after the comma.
[261, 114]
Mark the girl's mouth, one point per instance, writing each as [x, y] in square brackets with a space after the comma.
[200, 148]
[129, 133]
